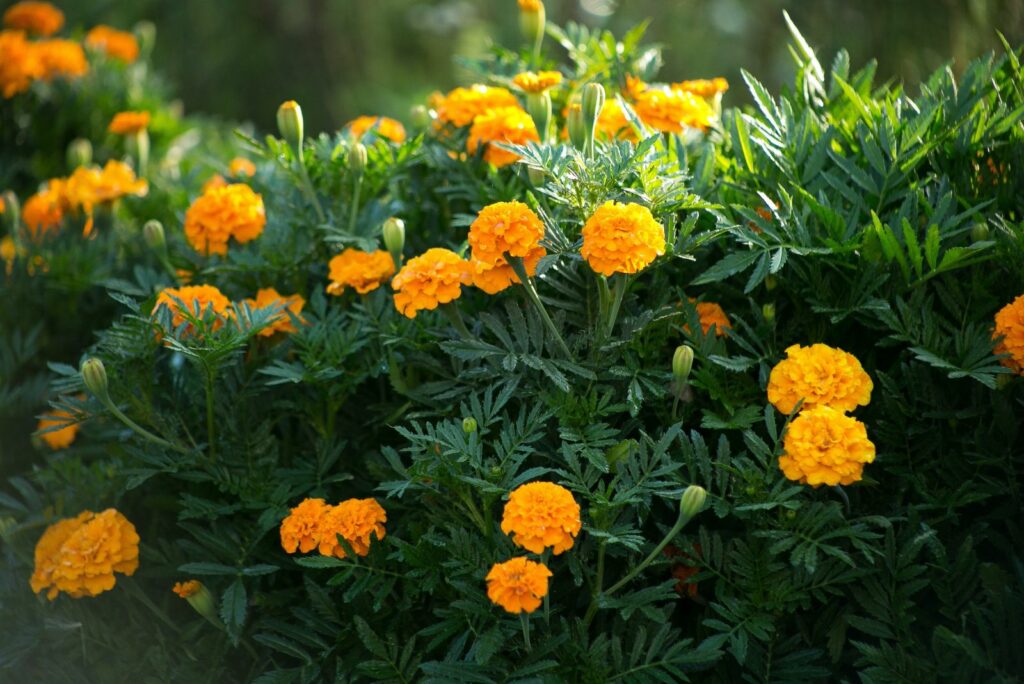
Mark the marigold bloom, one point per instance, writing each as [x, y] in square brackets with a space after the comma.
[8, 253]
[79, 556]
[40, 18]
[622, 238]
[505, 228]
[493, 278]
[354, 520]
[462, 105]
[435, 277]
[61, 438]
[670, 110]
[19, 63]
[282, 322]
[213, 182]
[117, 44]
[711, 313]
[537, 82]
[1010, 327]
[612, 122]
[300, 530]
[518, 585]
[205, 297]
[64, 58]
[530, 5]
[824, 446]
[821, 376]
[511, 125]
[43, 212]
[541, 514]
[129, 123]
[703, 87]
[362, 271]
[188, 588]
[381, 125]
[233, 211]
[89, 186]
[241, 167]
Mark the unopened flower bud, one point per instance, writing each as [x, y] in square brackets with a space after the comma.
[768, 311]
[576, 126]
[469, 425]
[539, 107]
[682, 363]
[9, 206]
[145, 31]
[593, 101]
[770, 282]
[79, 153]
[289, 123]
[421, 117]
[531, 20]
[536, 176]
[979, 232]
[357, 158]
[394, 237]
[94, 375]
[692, 500]
[153, 234]
[200, 598]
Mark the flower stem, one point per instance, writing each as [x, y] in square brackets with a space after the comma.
[307, 185]
[141, 431]
[618, 290]
[524, 279]
[355, 205]
[451, 312]
[526, 630]
[210, 434]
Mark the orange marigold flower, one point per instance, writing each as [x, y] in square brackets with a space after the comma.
[612, 122]
[282, 322]
[64, 58]
[518, 585]
[241, 167]
[19, 63]
[820, 375]
[213, 182]
[381, 125]
[1010, 327]
[493, 278]
[202, 297]
[622, 238]
[117, 44]
[62, 437]
[711, 313]
[219, 214]
[825, 446]
[40, 18]
[435, 277]
[362, 271]
[537, 82]
[541, 514]
[128, 123]
[511, 125]
[89, 186]
[505, 228]
[188, 588]
[670, 110]
[79, 556]
[462, 105]
[703, 87]
[354, 520]
[300, 530]
[43, 212]
[634, 86]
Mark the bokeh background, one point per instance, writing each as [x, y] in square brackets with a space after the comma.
[340, 58]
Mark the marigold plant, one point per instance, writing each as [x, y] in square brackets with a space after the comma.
[537, 81]
[240, 167]
[19, 63]
[492, 278]
[518, 585]
[505, 228]
[282, 322]
[60, 438]
[508, 125]
[61, 58]
[383, 126]
[196, 298]
[222, 213]
[462, 105]
[187, 588]
[301, 528]
[1009, 333]
[819, 375]
[671, 111]
[541, 515]
[622, 238]
[119, 45]
[362, 271]
[128, 123]
[357, 521]
[824, 446]
[39, 18]
[435, 277]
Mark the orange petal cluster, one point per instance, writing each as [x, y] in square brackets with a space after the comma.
[19, 63]
[221, 213]
[267, 297]
[518, 585]
[187, 588]
[612, 122]
[537, 82]
[120, 45]
[820, 375]
[204, 297]
[63, 58]
[510, 125]
[435, 277]
[622, 238]
[240, 167]
[314, 524]
[539, 515]
[43, 212]
[493, 278]
[300, 530]
[670, 110]
[703, 87]
[39, 18]
[61, 438]
[824, 446]
[381, 125]
[1009, 326]
[129, 123]
[362, 271]
[462, 105]
[505, 228]
[711, 313]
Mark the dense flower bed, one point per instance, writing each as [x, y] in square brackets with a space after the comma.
[575, 375]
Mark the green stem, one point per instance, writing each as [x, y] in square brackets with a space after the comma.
[307, 185]
[618, 291]
[143, 432]
[210, 435]
[676, 529]
[524, 279]
[142, 151]
[355, 205]
[526, 630]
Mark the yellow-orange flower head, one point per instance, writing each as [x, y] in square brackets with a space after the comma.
[622, 238]
[530, 5]
[187, 588]
[362, 271]
[79, 556]
[381, 125]
[510, 125]
[282, 322]
[129, 123]
[64, 58]
[612, 122]
[240, 167]
[704, 87]
[300, 530]
[824, 446]
[40, 18]
[1010, 327]
[43, 212]
[493, 278]
[435, 277]
[355, 520]
[537, 82]
[539, 515]
[61, 438]
[89, 186]
[711, 313]
[205, 297]
[19, 63]
[505, 228]
[670, 110]
[821, 376]
[518, 585]
[221, 213]
[462, 105]
[120, 45]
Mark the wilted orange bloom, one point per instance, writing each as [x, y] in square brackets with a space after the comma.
[492, 278]
[518, 585]
[362, 271]
[824, 446]
[300, 530]
[357, 521]
[63, 437]
[711, 313]
[1010, 327]
[505, 228]
[381, 125]
[540, 515]
[188, 588]
[670, 110]
[64, 58]
[510, 125]
[43, 212]
[89, 186]
[40, 18]
[612, 122]
[240, 166]
[462, 105]
[703, 87]
[622, 238]
[537, 82]
[117, 44]
[80, 556]
[820, 375]
[203, 297]
[282, 322]
[221, 213]
[19, 63]
[129, 123]
[435, 277]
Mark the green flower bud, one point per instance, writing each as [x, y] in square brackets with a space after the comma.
[79, 153]
[421, 117]
[577, 127]
[770, 282]
[153, 234]
[692, 500]
[531, 21]
[94, 375]
[357, 158]
[394, 237]
[790, 514]
[979, 232]
[289, 123]
[682, 363]
[145, 31]
[10, 207]
[768, 311]
[200, 598]
[469, 425]
[593, 101]
[539, 107]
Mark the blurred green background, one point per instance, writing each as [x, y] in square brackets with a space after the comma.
[340, 58]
